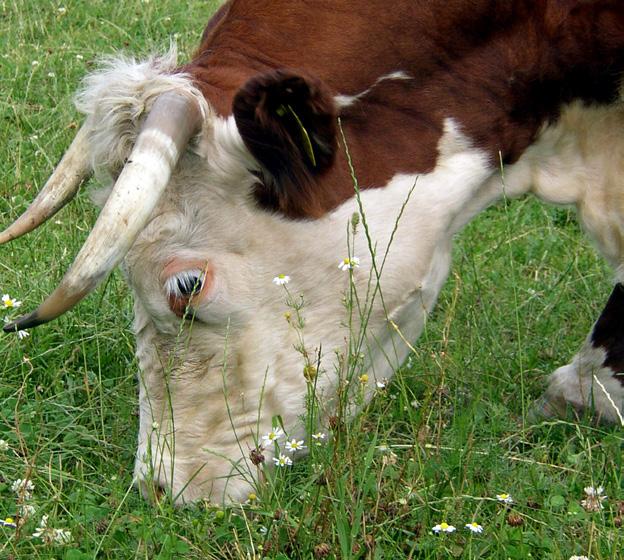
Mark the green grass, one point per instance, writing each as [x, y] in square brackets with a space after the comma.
[438, 444]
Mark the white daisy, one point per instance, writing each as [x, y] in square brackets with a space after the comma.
[318, 438]
[349, 263]
[282, 460]
[505, 498]
[294, 445]
[9, 302]
[443, 528]
[474, 527]
[281, 280]
[273, 435]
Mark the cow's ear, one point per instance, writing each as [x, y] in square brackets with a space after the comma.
[288, 123]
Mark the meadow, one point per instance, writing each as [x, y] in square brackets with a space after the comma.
[443, 442]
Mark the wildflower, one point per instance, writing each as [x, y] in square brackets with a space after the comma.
[23, 488]
[4, 446]
[579, 557]
[62, 536]
[282, 460]
[349, 263]
[381, 384]
[252, 497]
[34, 63]
[594, 498]
[443, 528]
[79, 57]
[8, 522]
[281, 279]
[295, 445]
[363, 378]
[474, 527]
[26, 510]
[505, 498]
[51, 75]
[62, 10]
[51, 536]
[273, 435]
[390, 458]
[9, 302]
[22, 334]
[318, 438]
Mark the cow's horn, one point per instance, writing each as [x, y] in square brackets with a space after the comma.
[173, 120]
[60, 188]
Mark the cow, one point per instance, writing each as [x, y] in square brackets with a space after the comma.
[338, 145]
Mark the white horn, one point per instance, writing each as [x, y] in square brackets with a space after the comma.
[173, 120]
[60, 188]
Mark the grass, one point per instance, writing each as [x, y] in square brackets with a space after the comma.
[437, 444]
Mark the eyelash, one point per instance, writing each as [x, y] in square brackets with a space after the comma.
[184, 284]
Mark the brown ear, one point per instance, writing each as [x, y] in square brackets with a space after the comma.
[288, 123]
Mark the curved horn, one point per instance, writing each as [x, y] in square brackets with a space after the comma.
[60, 188]
[173, 120]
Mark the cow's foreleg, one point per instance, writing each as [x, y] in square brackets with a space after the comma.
[594, 380]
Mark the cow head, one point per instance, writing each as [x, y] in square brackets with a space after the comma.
[222, 350]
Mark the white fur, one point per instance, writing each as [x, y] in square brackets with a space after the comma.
[209, 389]
[343, 101]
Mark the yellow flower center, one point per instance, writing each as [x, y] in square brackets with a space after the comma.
[444, 526]
[8, 303]
[363, 378]
[347, 261]
[281, 276]
[504, 496]
[9, 520]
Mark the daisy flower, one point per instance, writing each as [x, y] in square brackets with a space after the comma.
[443, 527]
[349, 263]
[282, 460]
[9, 302]
[281, 279]
[579, 557]
[294, 445]
[505, 498]
[474, 527]
[8, 522]
[273, 435]
[594, 498]
[318, 438]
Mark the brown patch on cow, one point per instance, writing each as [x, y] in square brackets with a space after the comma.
[288, 123]
[608, 332]
[499, 69]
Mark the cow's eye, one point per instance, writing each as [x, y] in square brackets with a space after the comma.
[185, 284]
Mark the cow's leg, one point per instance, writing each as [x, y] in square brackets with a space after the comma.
[594, 380]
